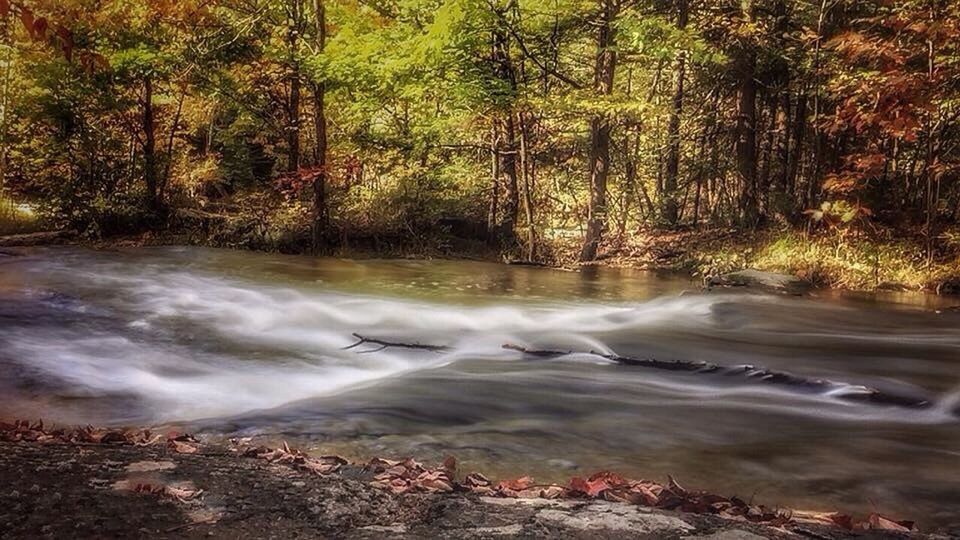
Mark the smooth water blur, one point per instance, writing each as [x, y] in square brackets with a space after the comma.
[236, 343]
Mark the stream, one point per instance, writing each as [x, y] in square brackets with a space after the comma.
[228, 343]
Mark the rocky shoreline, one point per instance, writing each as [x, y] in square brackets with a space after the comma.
[90, 482]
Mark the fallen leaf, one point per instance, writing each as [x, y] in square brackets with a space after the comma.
[877, 522]
[182, 447]
[516, 484]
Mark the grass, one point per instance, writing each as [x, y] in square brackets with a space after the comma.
[827, 259]
[846, 263]
[16, 217]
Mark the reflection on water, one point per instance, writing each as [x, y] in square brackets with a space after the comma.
[234, 342]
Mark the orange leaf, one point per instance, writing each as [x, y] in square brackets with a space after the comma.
[181, 447]
[516, 484]
[26, 17]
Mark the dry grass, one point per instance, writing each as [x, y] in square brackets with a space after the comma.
[827, 260]
[16, 217]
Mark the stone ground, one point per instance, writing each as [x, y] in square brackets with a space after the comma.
[84, 491]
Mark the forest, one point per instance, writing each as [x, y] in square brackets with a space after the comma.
[465, 269]
[558, 131]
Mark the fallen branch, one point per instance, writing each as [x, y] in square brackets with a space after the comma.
[865, 394]
[361, 340]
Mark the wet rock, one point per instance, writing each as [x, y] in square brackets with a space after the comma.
[255, 499]
[562, 464]
[761, 280]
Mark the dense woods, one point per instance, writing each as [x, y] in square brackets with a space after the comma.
[530, 127]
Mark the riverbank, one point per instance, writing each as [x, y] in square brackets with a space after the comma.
[134, 484]
[823, 261]
[826, 260]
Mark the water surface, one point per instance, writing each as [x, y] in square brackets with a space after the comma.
[236, 343]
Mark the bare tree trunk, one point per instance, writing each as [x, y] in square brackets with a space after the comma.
[5, 102]
[796, 151]
[766, 155]
[814, 181]
[293, 106]
[782, 150]
[668, 199]
[508, 167]
[526, 170]
[149, 127]
[746, 129]
[320, 213]
[173, 132]
[505, 72]
[600, 127]
[492, 216]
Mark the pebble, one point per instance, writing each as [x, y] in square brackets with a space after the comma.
[35, 489]
[563, 464]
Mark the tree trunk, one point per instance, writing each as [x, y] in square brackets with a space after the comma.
[796, 151]
[165, 181]
[765, 157]
[149, 127]
[526, 169]
[507, 151]
[511, 192]
[746, 129]
[293, 107]
[600, 127]
[492, 212]
[668, 199]
[781, 205]
[319, 210]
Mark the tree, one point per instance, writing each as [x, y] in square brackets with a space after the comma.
[600, 128]
[669, 208]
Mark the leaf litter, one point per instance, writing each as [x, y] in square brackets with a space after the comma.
[410, 476]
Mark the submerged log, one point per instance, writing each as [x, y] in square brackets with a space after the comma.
[844, 391]
[761, 374]
[36, 239]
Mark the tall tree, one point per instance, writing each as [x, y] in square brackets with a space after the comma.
[319, 208]
[600, 128]
[294, 10]
[669, 205]
[507, 149]
[746, 126]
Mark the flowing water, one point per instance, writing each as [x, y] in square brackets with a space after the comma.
[234, 343]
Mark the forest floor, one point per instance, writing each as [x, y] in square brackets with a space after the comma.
[60, 490]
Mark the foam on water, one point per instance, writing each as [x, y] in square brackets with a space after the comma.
[195, 344]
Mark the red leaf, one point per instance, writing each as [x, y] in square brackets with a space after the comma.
[40, 26]
[26, 17]
[597, 484]
[516, 484]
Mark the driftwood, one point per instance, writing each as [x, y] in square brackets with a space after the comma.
[361, 340]
[760, 374]
[36, 239]
[752, 373]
